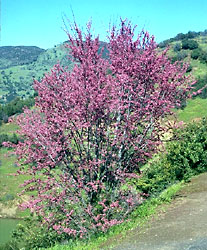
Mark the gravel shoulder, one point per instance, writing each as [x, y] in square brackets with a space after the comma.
[182, 226]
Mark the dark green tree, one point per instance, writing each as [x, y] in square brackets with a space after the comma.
[196, 53]
[189, 44]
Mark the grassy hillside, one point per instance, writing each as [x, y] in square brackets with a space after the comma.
[18, 55]
[191, 48]
[199, 67]
[195, 110]
[17, 80]
[18, 70]
[9, 183]
[19, 66]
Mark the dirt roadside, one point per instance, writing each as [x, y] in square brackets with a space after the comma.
[183, 225]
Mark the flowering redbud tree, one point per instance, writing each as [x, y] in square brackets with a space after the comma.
[92, 129]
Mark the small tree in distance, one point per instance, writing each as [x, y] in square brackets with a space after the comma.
[91, 130]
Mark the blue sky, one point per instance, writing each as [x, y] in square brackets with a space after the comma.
[39, 22]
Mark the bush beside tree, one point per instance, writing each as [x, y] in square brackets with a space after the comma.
[203, 57]
[186, 156]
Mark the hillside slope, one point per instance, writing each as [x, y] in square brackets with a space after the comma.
[18, 55]
[17, 78]
[191, 48]
[20, 65]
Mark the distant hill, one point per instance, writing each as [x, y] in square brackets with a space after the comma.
[191, 48]
[181, 36]
[18, 55]
[20, 65]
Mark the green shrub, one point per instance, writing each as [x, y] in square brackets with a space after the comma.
[155, 178]
[7, 138]
[11, 245]
[189, 44]
[32, 236]
[203, 57]
[179, 56]
[201, 83]
[14, 107]
[3, 138]
[177, 47]
[186, 155]
[7, 197]
[196, 53]
[164, 44]
[189, 69]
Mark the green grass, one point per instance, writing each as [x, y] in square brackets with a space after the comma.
[8, 182]
[199, 69]
[195, 109]
[8, 128]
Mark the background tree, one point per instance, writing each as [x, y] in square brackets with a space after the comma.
[177, 47]
[189, 44]
[196, 53]
[179, 56]
[203, 57]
